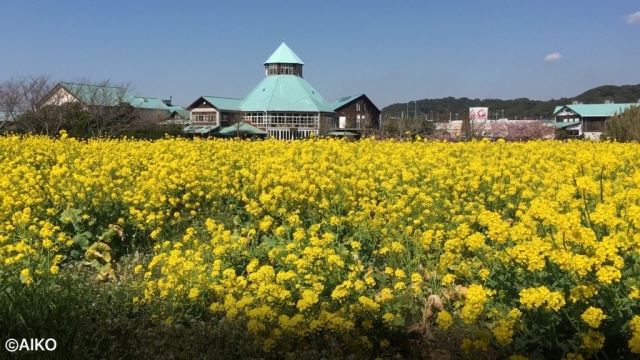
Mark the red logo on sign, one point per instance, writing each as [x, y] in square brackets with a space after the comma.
[472, 114]
[482, 114]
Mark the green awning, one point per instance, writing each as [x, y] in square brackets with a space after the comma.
[565, 124]
[243, 128]
[200, 129]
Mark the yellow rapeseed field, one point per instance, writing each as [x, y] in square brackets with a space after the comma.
[531, 245]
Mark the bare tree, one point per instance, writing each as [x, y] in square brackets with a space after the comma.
[405, 128]
[20, 100]
[108, 105]
[10, 102]
[472, 128]
[236, 119]
[367, 122]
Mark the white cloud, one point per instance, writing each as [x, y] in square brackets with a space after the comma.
[552, 57]
[632, 18]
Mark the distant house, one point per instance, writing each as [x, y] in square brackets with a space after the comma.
[356, 112]
[284, 104]
[149, 109]
[588, 119]
[213, 110]
[177, 116]
[88, 95]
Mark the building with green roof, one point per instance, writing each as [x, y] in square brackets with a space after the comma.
[592, 118]
[214, 111]
[283, 104]
[105, 95]
[356, 112]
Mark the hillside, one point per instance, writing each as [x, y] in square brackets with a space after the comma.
[520, 108]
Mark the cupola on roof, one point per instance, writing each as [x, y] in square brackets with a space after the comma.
[283, 55]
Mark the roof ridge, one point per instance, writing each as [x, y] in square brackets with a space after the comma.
[274, 90]
[96, 85]
[318, 104]
[220, 97]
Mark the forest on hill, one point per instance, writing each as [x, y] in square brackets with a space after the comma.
[523, 108]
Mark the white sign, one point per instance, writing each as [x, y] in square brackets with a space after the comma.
[478, 113]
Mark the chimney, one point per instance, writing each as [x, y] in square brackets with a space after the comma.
[168, 102]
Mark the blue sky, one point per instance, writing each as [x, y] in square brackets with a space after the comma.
[394, 51]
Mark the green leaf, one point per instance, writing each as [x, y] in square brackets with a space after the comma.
[107, 236]
[81, 240]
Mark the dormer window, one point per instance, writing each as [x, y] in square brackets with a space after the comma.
[273, 69]
[286, 69]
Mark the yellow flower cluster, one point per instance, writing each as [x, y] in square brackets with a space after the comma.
[634, 342]
[474, 303]
[299, 238]
[505, 328]
[444, 320]
[593, 317]
[533, 298]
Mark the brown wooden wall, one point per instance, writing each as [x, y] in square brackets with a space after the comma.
[366, 108]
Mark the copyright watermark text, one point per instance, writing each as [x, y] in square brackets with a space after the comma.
[13, 345]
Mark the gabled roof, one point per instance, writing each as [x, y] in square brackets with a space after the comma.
[338, 103]
[285, 93]
[595, 110]
[224, 104]
[558, 108]
[180, 111]
[283, 55]
[96, 94]
[220, 103]
[148, 103]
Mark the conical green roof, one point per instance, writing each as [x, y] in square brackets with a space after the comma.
[284, 93]
[283, 55]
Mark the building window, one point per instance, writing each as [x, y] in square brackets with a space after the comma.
[273, 69]
[357, 106]
[204, 117]
[593, 125]
[224, 117]
[286, 69]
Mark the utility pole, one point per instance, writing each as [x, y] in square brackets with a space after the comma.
[415, 109]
